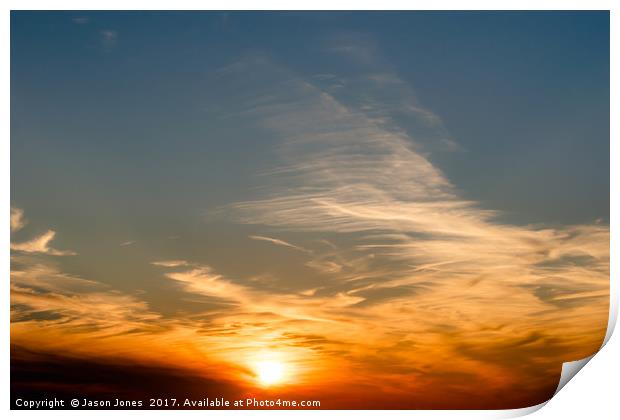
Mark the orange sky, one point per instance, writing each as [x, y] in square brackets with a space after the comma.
[487, 337]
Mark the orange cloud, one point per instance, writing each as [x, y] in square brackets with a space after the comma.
[40, 245]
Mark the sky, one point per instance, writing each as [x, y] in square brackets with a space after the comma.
[390, 207]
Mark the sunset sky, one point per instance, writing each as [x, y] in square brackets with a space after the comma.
[376, 210]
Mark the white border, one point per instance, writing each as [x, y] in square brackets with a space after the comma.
[571, 403]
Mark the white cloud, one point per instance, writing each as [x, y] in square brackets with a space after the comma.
[40, 245]
[109, 38]
[170, 263]
[80, 20]
[278, 242]
[17, 219]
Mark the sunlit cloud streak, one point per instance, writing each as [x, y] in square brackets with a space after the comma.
[278, 242]
[40, 245]
[59, 313]
[202, 279]
[170, 263]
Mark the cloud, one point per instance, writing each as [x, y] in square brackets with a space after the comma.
[278, 242]
[127, 243]
[40, 245]
[80, 20]
[17, 219]
[170, 263]
[350, 175]
[415, 257]
[65, 315]
[109, 38]
[353, 45]
[204, 280]
[43, 296]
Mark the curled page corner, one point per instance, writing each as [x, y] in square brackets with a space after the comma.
[521, 412]
[613, 312]
[570, 369]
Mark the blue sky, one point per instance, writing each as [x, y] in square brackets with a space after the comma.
[525, 96]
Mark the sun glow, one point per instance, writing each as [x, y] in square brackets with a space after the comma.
[270, 372]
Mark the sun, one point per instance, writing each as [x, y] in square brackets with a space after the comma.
[270, 372]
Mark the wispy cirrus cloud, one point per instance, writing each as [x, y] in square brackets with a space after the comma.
[280, 242]
[412, 247]
[52, 310]
[40, 245]
[352, 175]
[170, 263]
[73, 303]
[204, 280]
